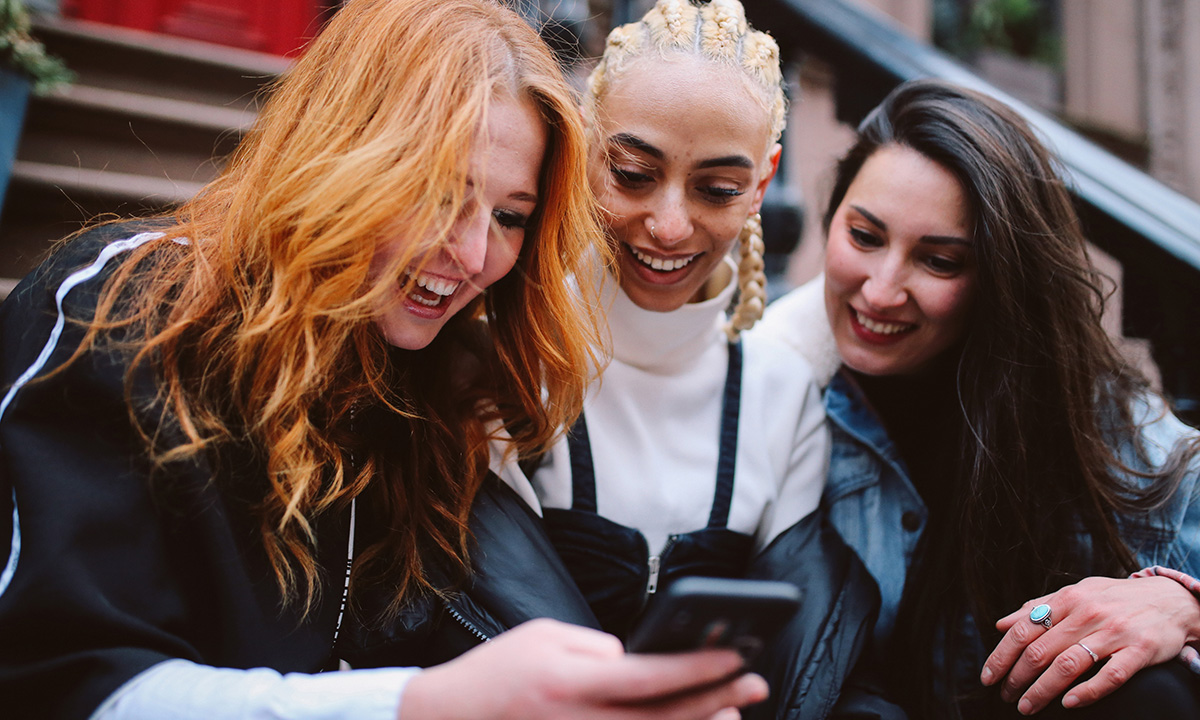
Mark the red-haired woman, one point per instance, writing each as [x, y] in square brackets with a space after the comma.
[250, 441]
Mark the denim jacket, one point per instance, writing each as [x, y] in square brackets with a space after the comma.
[874, 506]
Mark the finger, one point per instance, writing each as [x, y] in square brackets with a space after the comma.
[1038, 656]
[1004, 623]
[1066, 668]
[1009, 650]
[1115, 673]
[644, 678]
[745, 690]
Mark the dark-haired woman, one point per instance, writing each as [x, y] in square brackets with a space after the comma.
[250, 442]
[991, 449]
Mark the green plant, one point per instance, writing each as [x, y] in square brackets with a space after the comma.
[1013, 25]
[20, 51]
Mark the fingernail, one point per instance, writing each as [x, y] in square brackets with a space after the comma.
[1024, 707]
[757, 687]
[1070, 701]
[986, 676]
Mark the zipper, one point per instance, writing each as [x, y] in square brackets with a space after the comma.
[470, 626]
[655, 565]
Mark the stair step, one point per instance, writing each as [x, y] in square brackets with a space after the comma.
[103, 183]
[119, 58]
[202, 116]
[103, 129]
[148, 121]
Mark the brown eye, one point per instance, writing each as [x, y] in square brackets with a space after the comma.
[864, 239]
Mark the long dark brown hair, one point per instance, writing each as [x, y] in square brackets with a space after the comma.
[1038, 383]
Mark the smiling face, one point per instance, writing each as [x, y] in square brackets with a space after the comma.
[899, 272]
[681, 157]
[501, 197]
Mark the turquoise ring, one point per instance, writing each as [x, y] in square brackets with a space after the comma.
[1041, 615]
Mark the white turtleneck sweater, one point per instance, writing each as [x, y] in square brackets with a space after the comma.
[654, 423]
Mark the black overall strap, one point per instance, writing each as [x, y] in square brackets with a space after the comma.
[731, 406]
[583, 471]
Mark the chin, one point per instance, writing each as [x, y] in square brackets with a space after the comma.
[408, 338]
[869, 363]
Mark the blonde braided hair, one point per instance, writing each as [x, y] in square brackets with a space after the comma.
[717, 31]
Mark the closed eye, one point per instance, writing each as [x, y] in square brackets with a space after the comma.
[630, 178]
[720, 194]
[509, 219]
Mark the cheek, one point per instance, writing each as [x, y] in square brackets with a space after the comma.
[501, 258]
[949, 302]
[843, 267]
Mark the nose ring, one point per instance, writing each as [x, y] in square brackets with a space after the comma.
[652, 233]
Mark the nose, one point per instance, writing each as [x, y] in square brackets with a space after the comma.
[885, 287]
[670, 223]
[469, 241]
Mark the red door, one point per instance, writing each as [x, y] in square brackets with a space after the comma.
[274, 26]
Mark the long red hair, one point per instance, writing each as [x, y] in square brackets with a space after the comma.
[255, 308]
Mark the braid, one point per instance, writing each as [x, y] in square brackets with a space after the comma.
[752, 281]
[672, 23]
[716, 30]
[723, 30]
[760, 57]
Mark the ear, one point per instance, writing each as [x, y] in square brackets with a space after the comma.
[760, 190]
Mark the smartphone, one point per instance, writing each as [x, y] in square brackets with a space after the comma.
[703, 612]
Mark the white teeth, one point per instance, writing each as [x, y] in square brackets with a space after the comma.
[660, 264]
[880, 327]
[422, 301]
[436, 285]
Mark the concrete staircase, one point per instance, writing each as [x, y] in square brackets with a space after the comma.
[148, 121]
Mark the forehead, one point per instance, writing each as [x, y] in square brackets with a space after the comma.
[918, 194]
[686, 104]
[515, 130]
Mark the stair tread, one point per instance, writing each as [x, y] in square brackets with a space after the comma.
[245, 62]
[200, 115]
[103, 182]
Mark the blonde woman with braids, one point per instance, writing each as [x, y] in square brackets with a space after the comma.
[250, 441]
[700, 448]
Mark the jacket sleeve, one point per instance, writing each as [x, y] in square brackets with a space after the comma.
[812, 657]
[81, 536]
[180, 690]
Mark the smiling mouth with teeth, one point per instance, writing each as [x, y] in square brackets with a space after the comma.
[430, 290]
[667, 265]
[882, 328]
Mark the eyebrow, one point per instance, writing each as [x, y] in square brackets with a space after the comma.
[636, 143]
[521, 195]
[932, 239]
[739, 161]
